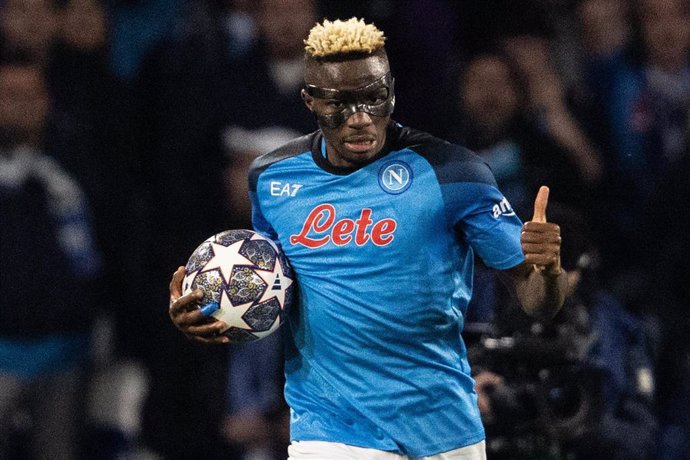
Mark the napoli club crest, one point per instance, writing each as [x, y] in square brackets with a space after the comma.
[395, 177]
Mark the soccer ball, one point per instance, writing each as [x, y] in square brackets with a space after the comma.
[246, 281]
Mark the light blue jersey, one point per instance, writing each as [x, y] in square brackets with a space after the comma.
[383, 256]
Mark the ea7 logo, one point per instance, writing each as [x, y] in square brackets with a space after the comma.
[284, 188]
[502, 209]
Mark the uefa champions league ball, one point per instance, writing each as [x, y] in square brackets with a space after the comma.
[246, 281]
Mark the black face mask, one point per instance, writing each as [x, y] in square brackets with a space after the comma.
[377, 99]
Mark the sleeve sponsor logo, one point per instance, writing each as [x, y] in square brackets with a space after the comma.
[502, 209]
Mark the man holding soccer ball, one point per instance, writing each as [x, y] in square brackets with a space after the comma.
[381, 223]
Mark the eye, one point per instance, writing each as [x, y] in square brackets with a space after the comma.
[334, 104]
[377, 98]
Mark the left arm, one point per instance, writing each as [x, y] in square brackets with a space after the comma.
[540, 295]
[539, 283]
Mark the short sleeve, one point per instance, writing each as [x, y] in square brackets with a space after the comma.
[483, 215]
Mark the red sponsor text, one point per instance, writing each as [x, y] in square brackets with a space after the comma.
[321, 227]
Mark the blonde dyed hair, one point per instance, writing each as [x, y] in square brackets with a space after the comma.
[333, 38]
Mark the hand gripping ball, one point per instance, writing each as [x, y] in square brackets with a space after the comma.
[246, 281]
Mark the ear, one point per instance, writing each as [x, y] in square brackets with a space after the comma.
[308, 100]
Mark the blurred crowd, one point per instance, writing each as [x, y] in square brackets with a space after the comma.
[126, 130]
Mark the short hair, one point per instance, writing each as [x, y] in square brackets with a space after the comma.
[332, 40]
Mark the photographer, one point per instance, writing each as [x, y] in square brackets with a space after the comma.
[580, 386]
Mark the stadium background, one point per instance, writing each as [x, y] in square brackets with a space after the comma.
[156, 108]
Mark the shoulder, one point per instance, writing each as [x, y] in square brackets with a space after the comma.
[451, 162]
[293, 148]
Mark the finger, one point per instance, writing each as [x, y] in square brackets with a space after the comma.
[536, 238]
[540, 227]
[540, 204]
[541, 260]
[539, 248]
[176, 283]
[186, 302]
[219, 339]
[184, 319]
[207, 330]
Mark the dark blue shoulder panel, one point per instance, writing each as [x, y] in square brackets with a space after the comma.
[474, 206]
[291, 149]
[451, 162]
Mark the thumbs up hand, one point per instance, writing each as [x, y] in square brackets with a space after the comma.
[541, 240]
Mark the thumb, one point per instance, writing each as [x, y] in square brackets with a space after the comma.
[540, 204]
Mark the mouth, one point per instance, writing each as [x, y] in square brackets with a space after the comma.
[359, 145]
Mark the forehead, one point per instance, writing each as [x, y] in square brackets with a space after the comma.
[488, 65]
[29, 6]
[346, 75]
[19, 77]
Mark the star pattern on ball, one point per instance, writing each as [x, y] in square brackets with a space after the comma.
[274, 327]
[187, 282]
[232, 314]
[248, 280]
[278, 282]
[221, 254]
[276, 324]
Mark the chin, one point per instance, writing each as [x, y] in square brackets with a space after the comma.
[360, 158]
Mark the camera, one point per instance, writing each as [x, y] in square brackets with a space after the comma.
[547, 396]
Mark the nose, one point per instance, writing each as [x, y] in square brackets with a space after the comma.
[359, 120]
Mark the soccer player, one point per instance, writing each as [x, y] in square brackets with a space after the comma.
[381, 224]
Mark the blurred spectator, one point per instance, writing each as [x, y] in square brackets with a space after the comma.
[201, 92]
[88, 133]
[240, 25]
[547, 98]
[138, 27]
[28, 26]
[666, 38]
[422, 38]
[157, 108]
[668, 255]
[83, 24]
[492, 116]
[604, 30]
[256, 424]
[267, 105]
[540, 37]
[674, 378]
[552, 107]
[271, 96]
[606, 27]
[641, 78]
[243, 146]
[50, 262]
[183, 87]
[257, 420]
[580, 387]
